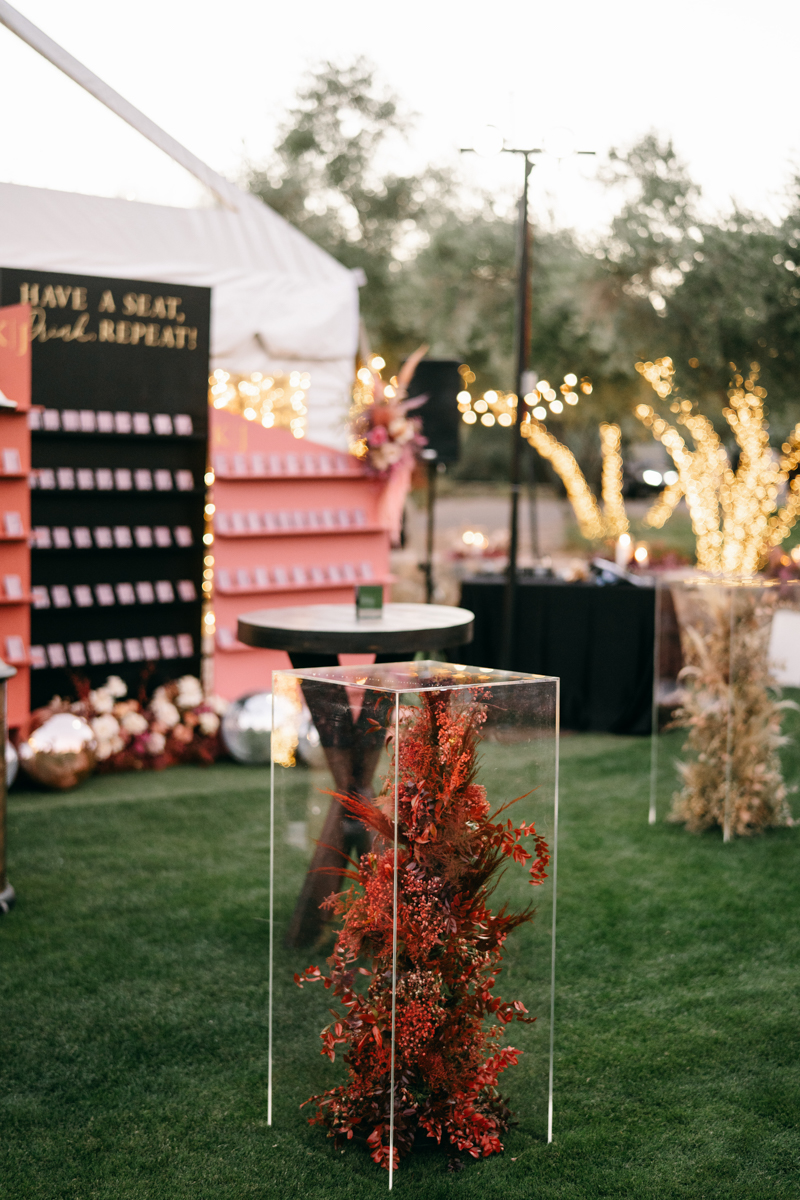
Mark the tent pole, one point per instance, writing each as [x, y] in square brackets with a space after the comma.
[227, 193]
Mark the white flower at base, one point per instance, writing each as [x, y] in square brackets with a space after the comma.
[190, 692]
[106, 746]
[165, 712]
[116, 686]
[208, 722]
[134, 723]
[102, 700]
[105, 727]
[219, 704]
[156, 743]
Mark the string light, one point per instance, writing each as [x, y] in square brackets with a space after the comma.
[495, 407]
[733, 513]
[276, 401]
[363, 397]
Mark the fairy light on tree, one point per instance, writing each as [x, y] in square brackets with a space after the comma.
[733, 513]
[595, 524]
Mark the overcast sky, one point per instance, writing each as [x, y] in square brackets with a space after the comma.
[719, 77]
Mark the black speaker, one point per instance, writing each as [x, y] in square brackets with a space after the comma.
[439, 380]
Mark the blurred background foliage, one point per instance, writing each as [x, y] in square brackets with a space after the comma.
[440, 267]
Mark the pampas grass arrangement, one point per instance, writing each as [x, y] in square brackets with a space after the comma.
[732, 709]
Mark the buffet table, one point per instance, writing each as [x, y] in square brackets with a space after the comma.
[597, 639]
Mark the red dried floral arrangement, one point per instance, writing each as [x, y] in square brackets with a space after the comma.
[449, 1024]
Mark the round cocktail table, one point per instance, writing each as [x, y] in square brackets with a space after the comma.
[313, 635]
[330, 629]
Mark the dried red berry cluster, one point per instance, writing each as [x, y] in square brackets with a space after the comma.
[448, 1021]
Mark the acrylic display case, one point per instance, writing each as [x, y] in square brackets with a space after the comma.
[413, 807]
[740, 642]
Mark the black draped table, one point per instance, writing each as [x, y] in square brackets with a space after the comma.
[597, 639]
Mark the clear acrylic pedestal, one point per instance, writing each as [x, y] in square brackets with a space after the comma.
[740, 639]
[401, 906]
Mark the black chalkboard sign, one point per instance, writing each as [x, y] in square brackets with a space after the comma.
[119, 441]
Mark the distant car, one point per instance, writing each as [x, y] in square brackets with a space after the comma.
[639, 482]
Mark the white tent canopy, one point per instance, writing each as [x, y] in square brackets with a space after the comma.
[278, 301]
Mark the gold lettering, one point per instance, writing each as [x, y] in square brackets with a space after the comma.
[62, 295]
[158, 308]
[106, 303]
[137, 331]
[48, 299]
[65, 333]
[129, 304]
[172, 303]
[124, 331]
[29, 293]
[143, 305]
[180, 336]
[167, 337]
[192, 338]
[151, 337]
[79, 299]
[78, 332]
[38, 324]
[106, 331]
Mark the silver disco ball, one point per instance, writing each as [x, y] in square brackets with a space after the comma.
[12, 764]
[247, 729]
[247, 725]
[60, 753]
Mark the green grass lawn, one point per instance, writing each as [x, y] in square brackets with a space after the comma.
[133, 1032]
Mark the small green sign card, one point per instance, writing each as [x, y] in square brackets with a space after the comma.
[369, 600]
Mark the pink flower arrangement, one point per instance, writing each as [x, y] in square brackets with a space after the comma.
[383, 435]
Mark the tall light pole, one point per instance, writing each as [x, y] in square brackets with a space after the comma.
[492, 142]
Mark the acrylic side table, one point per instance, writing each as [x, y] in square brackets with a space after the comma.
[315, 633]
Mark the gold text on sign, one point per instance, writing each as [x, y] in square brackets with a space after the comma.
[46, 296]
[131, 333]
[53, 296]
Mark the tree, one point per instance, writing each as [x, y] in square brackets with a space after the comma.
[707, 293]
[325, 179]
[440, 266]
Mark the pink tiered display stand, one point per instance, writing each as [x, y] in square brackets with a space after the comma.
[296, 523]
